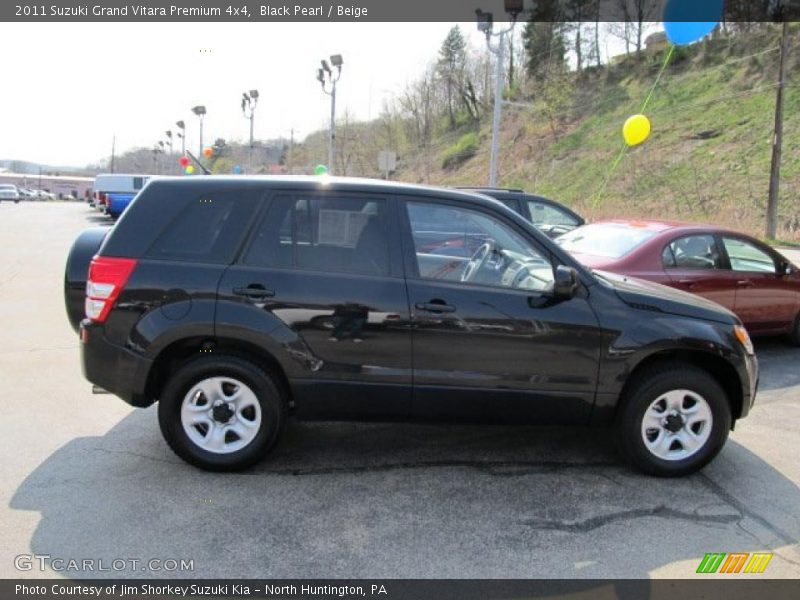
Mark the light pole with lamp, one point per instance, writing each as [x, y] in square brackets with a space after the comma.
[200, 111]
[249, 102]
[486, 25]
[182, 135]
[327, 80]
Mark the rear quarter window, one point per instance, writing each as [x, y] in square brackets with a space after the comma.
[208, 228]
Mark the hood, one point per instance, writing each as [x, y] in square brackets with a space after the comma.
[647, 295]
[593, 261]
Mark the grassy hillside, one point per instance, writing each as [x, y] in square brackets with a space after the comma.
[707, 159]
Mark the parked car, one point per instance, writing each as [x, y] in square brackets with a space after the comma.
[9, 192]
[735, 270]
[220, 298]
[549, 216]
[27, 194]
[113, 192]
[43, 195]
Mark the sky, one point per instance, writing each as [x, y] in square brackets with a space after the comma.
[68, 89]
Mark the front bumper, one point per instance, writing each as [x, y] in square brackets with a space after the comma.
[113, 368]
[749, 375]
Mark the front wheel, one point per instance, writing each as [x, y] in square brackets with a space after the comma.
[673, 421]
[221, 413]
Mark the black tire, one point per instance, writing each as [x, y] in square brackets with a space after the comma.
[269, 394]
[644, 390]
[794, 334]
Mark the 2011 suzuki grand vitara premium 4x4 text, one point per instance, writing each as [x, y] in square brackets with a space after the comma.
[235, 302]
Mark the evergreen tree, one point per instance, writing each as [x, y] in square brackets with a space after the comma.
[450, 69]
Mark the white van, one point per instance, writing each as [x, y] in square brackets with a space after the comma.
[116, 183]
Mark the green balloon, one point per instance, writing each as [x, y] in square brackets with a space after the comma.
[320, 170]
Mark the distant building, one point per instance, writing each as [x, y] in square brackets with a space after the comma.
[655, 42]
[60, 185]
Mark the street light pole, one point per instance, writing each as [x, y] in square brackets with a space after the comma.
[486, 25]
[182, 134]
[249, 102]
[328, 81]
[200, 111]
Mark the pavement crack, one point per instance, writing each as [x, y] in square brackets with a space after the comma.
[660, 511]
[734, 502]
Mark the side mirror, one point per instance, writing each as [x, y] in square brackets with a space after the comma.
[785, 268]
[565, 285]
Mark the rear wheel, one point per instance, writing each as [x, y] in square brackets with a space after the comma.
[221, 413]
[794, 334]
[673, 421]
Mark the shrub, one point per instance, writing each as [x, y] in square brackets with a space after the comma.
[464, 149]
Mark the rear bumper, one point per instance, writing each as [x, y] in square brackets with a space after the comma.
[113, 368]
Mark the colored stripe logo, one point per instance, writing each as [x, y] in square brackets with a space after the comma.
[734, 562]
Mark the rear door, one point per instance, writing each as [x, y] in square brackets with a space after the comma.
[695, 263]
[765, 299]
[321, 284]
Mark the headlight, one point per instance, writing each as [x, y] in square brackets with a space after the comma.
[744, 338]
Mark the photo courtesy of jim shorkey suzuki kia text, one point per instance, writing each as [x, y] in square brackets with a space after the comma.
[199, 590]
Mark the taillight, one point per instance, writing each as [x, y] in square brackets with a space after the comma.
[107, 277]
[101, 197]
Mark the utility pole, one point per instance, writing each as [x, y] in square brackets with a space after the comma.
[777, 142]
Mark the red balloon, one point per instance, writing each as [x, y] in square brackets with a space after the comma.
[184, 161]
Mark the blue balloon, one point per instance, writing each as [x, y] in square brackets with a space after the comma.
[237, 170]
[686, 21]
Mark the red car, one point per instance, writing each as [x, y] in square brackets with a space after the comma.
[746, 276]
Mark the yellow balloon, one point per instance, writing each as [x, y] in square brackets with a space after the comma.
[636, 130]
[189, 170]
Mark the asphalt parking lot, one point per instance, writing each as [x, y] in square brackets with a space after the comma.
[86, 477]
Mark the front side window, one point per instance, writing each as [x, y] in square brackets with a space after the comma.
[340, 234]
[747, 257]
[459, 244]
[693, 252]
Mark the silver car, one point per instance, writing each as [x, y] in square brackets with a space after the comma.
[9, 192]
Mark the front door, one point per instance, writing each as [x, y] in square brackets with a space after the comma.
[490, 341]
[321, 280]
[695, 263]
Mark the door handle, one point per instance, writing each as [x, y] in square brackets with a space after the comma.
[254, 292]
[686, 282]
[435, 306]
[744, 283]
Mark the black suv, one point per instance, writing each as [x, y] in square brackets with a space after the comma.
[237, 301]
[549, 216]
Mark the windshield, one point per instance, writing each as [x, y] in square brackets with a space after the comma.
[610, 240]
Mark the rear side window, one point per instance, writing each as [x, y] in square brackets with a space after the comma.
[545, 214]
[208, 229]
[336, 234]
